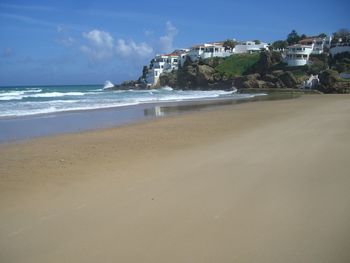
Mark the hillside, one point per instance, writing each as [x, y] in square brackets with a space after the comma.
[264, 70]
[237, 64]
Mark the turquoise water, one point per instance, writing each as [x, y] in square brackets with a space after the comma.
[31, 100]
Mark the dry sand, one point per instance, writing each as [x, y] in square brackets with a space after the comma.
[256, 182]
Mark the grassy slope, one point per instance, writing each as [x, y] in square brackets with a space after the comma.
[237, 64]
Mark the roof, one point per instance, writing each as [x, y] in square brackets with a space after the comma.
[198, 45]
[171, 55]
[309, 39]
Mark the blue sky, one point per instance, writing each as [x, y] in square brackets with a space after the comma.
[86, 42]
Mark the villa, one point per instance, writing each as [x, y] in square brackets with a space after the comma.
[162, 63]
[215, 49]
[298, 55]
[249, 47]
[343, 45]
[318, 44]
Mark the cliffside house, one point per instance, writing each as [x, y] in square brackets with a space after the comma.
[208, 50]
[318, 44]
[160, 64]
[249, 47]
[343, 45]
[298, 55]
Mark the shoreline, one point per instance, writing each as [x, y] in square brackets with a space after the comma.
[21, 128]
[265, 181]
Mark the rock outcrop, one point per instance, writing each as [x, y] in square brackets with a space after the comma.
[267, 71]
[196, 75]
[330, 82]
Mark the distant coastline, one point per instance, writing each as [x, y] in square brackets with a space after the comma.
[318, 62]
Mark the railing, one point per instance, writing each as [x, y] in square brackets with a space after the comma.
[340, 45]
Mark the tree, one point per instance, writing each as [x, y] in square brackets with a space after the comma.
[322, 35]
[343, 34]
[257, 42]
[303, 36]
[229, 44]
[293, 37]
[279, 44]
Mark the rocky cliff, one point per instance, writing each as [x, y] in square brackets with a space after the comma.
[264, 70]
[251, 71]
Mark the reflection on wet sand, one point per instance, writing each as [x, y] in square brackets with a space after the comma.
[182, 107]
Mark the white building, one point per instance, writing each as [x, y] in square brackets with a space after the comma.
[182, 53]
[318, 44]
[249, 47]
[208, 50]
[160, 64]
[340, 48]
[298, 55]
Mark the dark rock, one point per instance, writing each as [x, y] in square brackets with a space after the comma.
[168, 79]
[288, 79]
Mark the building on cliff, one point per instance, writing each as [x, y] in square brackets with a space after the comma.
[163, 63]
[318, 44]
[340, 47]
[208, 50]
[298, 55]
[249, 47]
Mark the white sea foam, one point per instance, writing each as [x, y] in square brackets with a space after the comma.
[19, 95]
[15, 103]
[56, 94]
[166, 88]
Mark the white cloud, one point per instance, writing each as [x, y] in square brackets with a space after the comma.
[166, 41]
[130, 48]
[101, 46]
[99, 38]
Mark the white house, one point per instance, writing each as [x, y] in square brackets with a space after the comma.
[340, 48]
[208, 50]
[249, 47]
[160, 64]
[298, 55]
[318, 44]
[182, 55]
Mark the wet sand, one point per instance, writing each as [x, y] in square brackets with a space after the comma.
[259, 182]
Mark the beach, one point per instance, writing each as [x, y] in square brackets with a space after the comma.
[265, 181]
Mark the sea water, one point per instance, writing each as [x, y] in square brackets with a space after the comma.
[32, 100]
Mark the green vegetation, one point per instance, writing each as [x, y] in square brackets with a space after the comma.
[343, 34]
[238, 64]
[279, 44]
[293, 38]
[229, 44]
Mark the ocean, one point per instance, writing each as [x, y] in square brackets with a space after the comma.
[35, 111]
[33, 100]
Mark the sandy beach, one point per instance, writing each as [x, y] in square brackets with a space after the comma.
[257, 182]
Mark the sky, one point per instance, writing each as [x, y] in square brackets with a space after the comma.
[88, 42]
